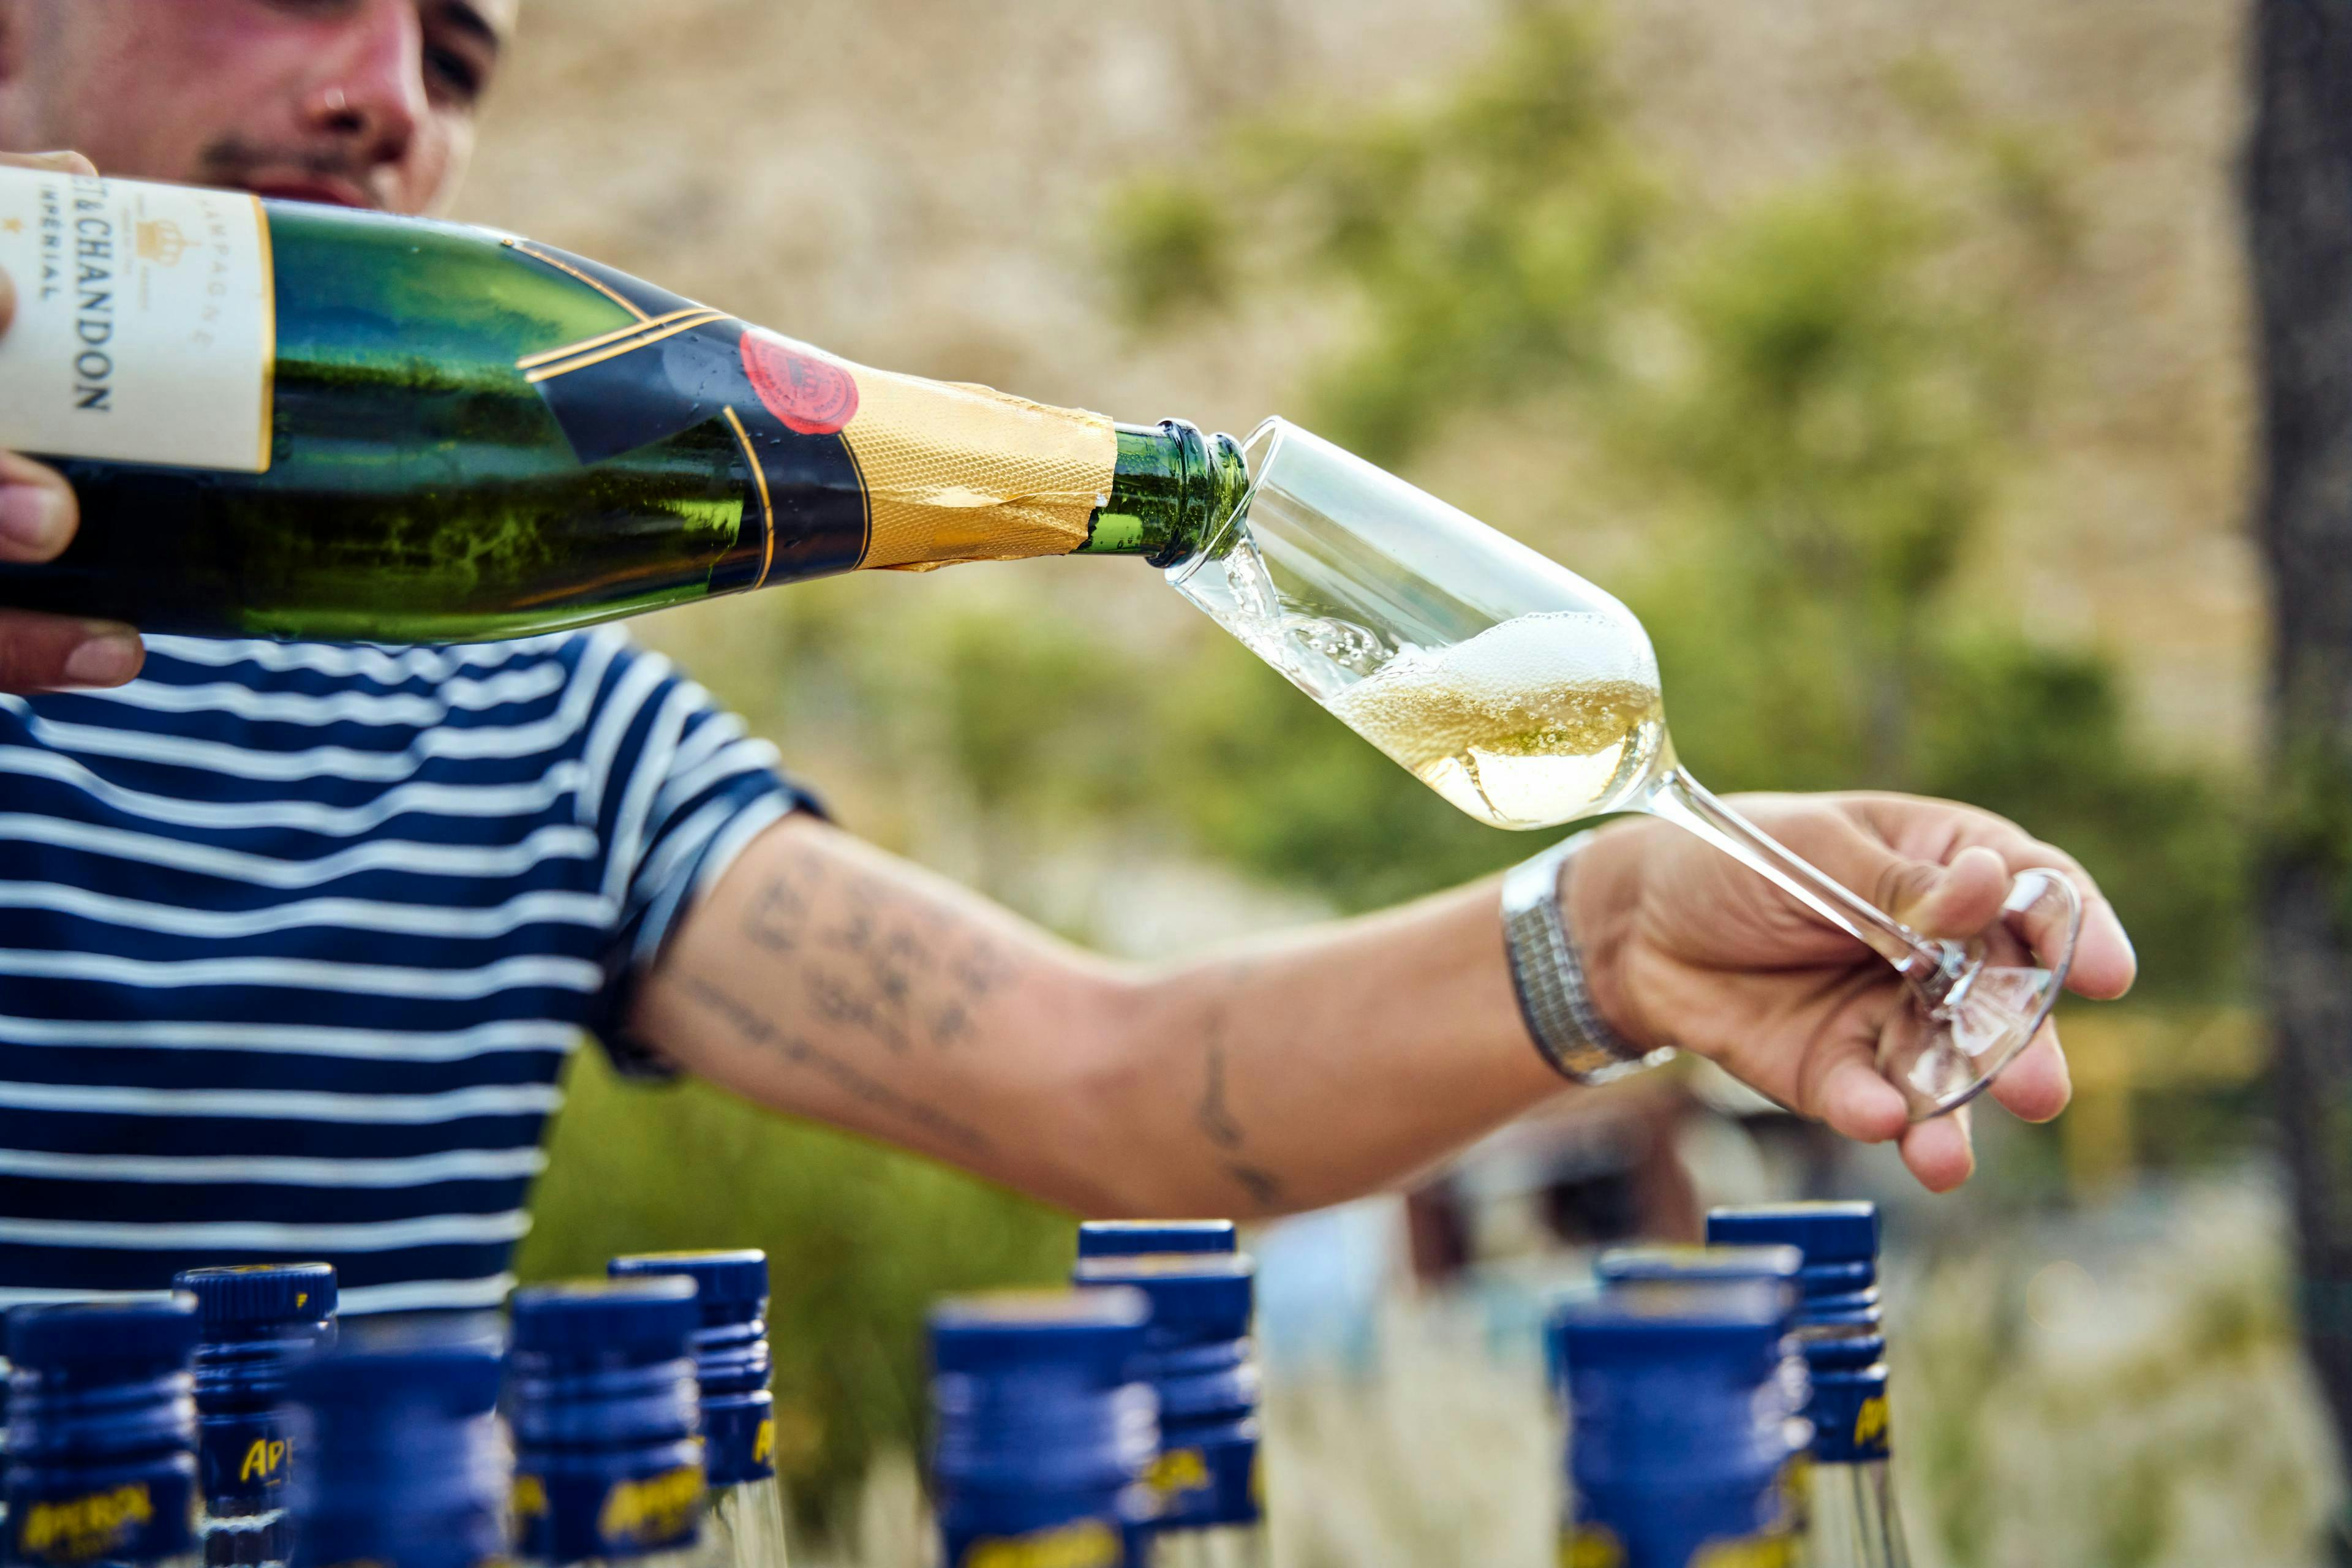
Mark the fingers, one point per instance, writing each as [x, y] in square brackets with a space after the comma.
[39, 512]
[39, 651]
[2036, 1086]
[1856, 1100]
[39, 515]
[2104, 963]
[63, 163]
[1938, 1152]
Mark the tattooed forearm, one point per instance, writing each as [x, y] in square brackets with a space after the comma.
[756, 1029]
[871, 960]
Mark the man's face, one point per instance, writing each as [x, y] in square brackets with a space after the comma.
[366, 103]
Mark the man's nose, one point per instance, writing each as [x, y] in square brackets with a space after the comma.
[370, 85]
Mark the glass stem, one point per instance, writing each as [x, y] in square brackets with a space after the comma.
[1932, 966]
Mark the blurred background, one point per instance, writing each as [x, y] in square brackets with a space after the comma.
[1892, 359]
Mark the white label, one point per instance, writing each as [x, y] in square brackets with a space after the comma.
[144, 328]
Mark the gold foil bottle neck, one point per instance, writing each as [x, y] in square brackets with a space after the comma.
[956, 472]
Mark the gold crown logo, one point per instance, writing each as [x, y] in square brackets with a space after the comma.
[160, 242]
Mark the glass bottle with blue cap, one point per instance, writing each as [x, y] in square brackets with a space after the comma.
[731, 1367]
[1851, 1518]
[101, 1434]
[1143, 1237]
[1207, 1481]
[254, 1323]
[1678, 1422]
[403, 1462]
[1042, 1430]
[607, 1423]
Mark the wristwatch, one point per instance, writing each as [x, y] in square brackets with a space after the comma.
[1548, 972]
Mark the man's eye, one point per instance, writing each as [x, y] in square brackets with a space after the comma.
[454, 74]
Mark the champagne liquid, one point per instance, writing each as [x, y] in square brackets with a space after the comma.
[1534, 722]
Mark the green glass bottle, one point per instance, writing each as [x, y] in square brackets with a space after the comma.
[291, 420]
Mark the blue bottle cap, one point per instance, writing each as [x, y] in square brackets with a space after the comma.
[1137, 1237]
[1686, 1404]
[1097, 1332]
[1042, 1430]
[1844, 1232]
[602, 1396]
[255, 1295]
[1732, 1338]
[1831, 1346]
[1195, 1298]
[402, 1461]
[727, 1281]
[1840, 1241]
[621, 1319]
[87, 1339]
[1620, 1265]
[348, 1394]
[732, 1362]
[101, 1431]
[1198, 1360]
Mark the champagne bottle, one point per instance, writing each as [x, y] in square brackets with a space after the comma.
[292, 420]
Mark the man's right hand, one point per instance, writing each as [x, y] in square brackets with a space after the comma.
[37, 517]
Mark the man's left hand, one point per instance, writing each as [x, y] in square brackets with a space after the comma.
[1685, 946]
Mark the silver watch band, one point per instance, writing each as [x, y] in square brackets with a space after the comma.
[1548, 972]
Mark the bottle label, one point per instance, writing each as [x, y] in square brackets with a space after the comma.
[569, 1517]
[1849, 1417]
[241, 1463]
[1078, 1544]
[1196, 1487]
[137, 1521]
[739, 1442]
[145, 326]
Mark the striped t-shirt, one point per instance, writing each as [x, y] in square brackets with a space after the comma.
[295, 938]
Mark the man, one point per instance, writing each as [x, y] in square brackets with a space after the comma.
[293, 938]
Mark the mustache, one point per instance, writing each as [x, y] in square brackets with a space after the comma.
[232, 160]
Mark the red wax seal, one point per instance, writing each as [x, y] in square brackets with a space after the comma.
[812, 396]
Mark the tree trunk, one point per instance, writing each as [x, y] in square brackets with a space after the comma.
[2298, 195]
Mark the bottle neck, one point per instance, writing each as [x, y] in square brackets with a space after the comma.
[1172, 490]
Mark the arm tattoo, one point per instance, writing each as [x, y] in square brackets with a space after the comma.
[1215, 1117]
[888, 967]
[757, 1030]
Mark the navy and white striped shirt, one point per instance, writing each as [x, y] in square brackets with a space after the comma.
[294, 940]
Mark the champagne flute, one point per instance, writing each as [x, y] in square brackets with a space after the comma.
[1529, 698]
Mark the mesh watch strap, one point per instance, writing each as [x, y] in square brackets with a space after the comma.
[1548, 972]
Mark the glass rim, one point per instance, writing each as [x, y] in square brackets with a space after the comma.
[1275, 429]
